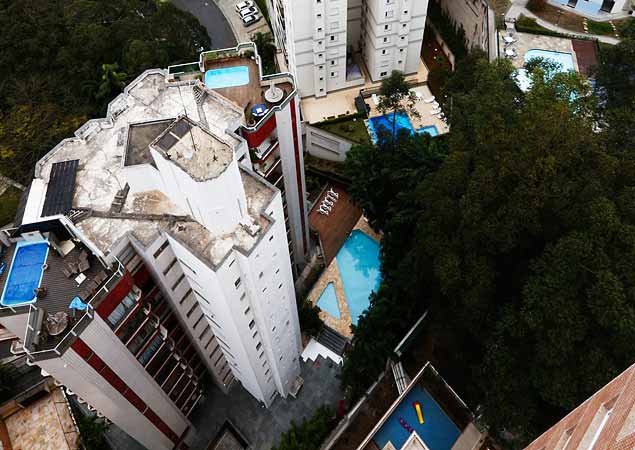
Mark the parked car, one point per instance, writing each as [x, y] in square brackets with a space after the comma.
[243, 5]
[247, 12]
[251, 19]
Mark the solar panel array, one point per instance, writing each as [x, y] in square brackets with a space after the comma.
[59, 195]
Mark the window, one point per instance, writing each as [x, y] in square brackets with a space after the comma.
[160, 249]
[261, 274]
[267, 372]
[333, 38]
[252, 324]
[277, 271]
[178, 281]
[385, 39]
[187, 294]
[383, 52]
[383, 74]
[321, 78]
[237, 282]
[255, 334]
[271, 238]
[258, 346]
[333, 74]
[122, 310]
[198, 321]
[261, 354]
[188, 267]
[264, 289]
[205, 331]
[319, 43]
[232, 262]
[389, 14]
[247, 310]
[319, 29]
[280, 286]
[321, 67]
[401, 50]
[334, 62]
[169, 266]
[386, 27]
[189, 313]
[405, 11]
[242, 297]
[404, 26]
[319, 15]
[273, 329]
[399, 62]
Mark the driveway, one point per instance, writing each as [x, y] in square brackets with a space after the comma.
[224, 26]
[212, 18]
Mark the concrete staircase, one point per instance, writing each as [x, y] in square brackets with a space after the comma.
[332, 340]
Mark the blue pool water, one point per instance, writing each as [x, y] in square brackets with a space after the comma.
[437, 431]
[227, 77]
[564, 59]
[358, 263]
[430, 129]
[328, 301]
[25, 273]
[402, 122]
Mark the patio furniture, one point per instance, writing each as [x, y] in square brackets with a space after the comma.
[430, 100]
[83, 265]
[435, 111]
[435, 105]
[56, 323]
[510, 53]
[509, 40]
[79, 279]
[67, 273]
[375, 99]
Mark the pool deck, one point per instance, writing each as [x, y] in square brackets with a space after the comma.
[332, 275]
[251, 93]
[526, 42]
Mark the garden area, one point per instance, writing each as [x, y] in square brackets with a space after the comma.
[350, 127]
[9, 204]
[568, 20]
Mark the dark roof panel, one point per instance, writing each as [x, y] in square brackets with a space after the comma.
[59, 195]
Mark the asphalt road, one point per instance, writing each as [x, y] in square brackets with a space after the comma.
[211, 17]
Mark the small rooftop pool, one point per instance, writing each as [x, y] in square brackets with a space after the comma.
[227, 77]
[25, 273]
[437, 431]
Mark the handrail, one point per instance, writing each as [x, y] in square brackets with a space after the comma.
[79, 326]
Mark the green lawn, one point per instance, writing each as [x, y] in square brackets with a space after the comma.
[353, 130]
[603, 28]
[9, 204]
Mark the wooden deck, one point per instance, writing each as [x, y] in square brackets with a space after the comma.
[250, 94]
[334, 228]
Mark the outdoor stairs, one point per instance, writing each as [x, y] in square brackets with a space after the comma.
[332, 340]
[199, 94]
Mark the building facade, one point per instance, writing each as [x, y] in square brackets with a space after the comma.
[605, 421]
[593, 8]
[477, 18]
[338, 44]
[165, 242]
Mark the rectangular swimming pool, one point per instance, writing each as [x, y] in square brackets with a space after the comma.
[402, 122]
[25, 273]
[563, 59]
[437, 431]
[227, 77]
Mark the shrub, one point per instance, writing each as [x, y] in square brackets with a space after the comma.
[310, 434]
[536, 6]
[91, 433]
[627, 29]
[309, 316]
[529, 25]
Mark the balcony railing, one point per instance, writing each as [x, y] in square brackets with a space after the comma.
[58, 345]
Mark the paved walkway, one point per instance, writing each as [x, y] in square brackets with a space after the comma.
[242, 33]
[519, 7]
[212, 18]
[260, 426]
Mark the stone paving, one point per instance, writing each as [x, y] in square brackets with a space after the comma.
[525, 42]
[44, 425]
[262, 427]
[332, 275]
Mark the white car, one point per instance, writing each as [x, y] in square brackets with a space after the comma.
[251, 19]
[247, 12]
[243, 5]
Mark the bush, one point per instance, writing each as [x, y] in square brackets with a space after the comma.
[357, 115]
[627, 29]
[310, 434]
[529, 25]
[91, 433]
[536, 6]
[309, 316]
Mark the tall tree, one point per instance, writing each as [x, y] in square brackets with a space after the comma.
[396, 97]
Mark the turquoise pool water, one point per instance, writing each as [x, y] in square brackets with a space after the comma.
[430, 129]
[402, 122]
[565, 60]
[358, 263]
[328, 301]
[437, 431]
[227, 77]
[25, 273]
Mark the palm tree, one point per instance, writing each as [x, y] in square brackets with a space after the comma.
[267, 51]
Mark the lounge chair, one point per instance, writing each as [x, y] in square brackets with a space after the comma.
[375, 99]
[510, 53]
[435, 105]
[324, 213]
[430, 100]
[436, 111]
[332, 192]
[509, 40]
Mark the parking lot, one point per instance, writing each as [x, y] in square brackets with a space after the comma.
[242, 33]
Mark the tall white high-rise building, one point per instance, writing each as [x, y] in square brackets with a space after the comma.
[338, 44]
[152, 249]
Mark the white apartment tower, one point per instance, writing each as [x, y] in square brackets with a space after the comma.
[160, 251]
[337, 44]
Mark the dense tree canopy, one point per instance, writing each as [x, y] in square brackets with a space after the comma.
[62, 61]
[523, 245]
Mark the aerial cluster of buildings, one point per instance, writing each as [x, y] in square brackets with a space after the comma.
[159, 248]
